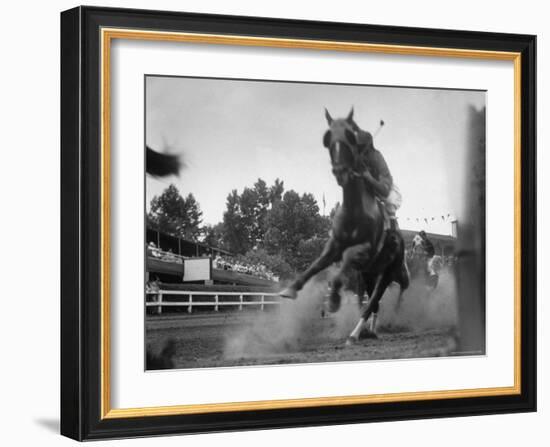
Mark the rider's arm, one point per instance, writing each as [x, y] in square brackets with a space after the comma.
[383, 185]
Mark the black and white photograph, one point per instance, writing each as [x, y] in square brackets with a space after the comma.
[296, 222]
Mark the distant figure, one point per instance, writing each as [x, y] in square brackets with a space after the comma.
[169, 256]
[427, 245]
[153, 251]
[152, 289]
[423, 246]
[164, 360]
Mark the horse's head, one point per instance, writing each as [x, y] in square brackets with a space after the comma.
[341, 141]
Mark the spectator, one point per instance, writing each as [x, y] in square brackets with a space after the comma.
[153, 251]
[169, 256]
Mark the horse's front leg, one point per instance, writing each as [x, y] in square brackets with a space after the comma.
[353, 257]
[331, 253]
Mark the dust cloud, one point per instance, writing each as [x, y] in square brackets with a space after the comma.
[298, 325]
[420, 309]
[280, 330]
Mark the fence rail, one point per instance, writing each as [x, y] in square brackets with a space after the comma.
[216, 303]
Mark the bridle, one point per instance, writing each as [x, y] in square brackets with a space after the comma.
[343, 132]
[355, 169]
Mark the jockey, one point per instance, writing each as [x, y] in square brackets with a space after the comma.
[427, 244]
[378, 176]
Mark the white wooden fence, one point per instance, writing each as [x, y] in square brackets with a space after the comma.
[192, 300]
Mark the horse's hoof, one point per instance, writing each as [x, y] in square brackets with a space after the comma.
[289, 293]
[351, 341]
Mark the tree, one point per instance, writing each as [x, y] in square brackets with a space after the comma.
[213, 235]
[235, 234]
[309, 250]
[283, 225]
[291, 221]
[273, 262]
[246, 216]
[276, 191]
[173, 214]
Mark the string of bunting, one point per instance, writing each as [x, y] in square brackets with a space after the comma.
[427, 220]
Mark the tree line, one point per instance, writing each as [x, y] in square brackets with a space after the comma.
[264, 224]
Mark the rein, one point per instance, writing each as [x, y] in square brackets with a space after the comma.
[354, 171]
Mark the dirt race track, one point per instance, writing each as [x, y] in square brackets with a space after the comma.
[295, 332]
[252, 338]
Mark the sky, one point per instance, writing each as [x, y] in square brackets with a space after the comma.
[232, 132]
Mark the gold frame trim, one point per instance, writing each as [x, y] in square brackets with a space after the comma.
[107, 35]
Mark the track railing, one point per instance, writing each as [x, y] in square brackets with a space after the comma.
[216, 303]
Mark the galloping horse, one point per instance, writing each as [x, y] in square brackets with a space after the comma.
[358, 237]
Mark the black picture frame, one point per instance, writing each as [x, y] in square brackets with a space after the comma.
[81, 219]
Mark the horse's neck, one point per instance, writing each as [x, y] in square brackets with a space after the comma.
[357, 195]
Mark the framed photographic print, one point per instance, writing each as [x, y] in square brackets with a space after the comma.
[273, 223]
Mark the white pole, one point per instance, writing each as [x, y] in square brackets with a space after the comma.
[190, 307]
[216, 307]
[159, 299]
[241, 302]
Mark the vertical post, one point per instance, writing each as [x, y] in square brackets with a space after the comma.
[159, 300]
[241, 300]
[190, 307]
[216, 306]
[262, 299]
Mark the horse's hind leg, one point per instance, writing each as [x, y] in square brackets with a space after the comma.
[335, 298]
[404, 281]
[381, 284]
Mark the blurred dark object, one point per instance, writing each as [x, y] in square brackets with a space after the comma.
[470, 268]
[162, 165]
[164, 360]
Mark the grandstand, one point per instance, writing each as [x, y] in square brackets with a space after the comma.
[171, 259]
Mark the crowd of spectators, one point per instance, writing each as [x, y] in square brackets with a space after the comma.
[219, 262]
[259, 270]
[167, 256]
